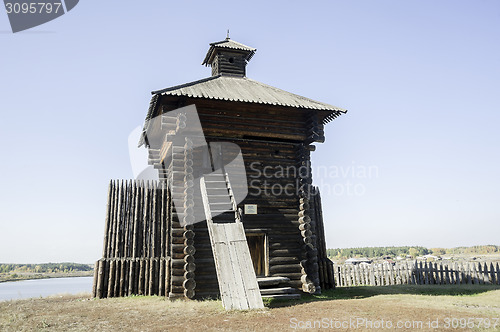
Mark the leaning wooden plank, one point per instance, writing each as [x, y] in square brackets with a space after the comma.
[236, 277]
[239, 297]
[248, 277]
[225, 275]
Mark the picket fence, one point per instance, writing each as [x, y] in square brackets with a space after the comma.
[417, 273]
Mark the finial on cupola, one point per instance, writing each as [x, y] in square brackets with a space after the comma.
[227, 36]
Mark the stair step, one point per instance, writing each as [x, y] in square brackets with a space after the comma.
[217, 192]
[224, 205]
[271, 281]
[276, 291]
[282, 296]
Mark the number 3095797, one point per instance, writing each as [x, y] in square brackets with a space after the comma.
[33, 8]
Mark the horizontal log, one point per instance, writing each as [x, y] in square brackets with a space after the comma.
[177, 280]
[284, 268]
[189, 267]
[177, 240]
[205, 274]
[293, 244]
[285, 253]
[179, 248]
[177, 289]
[297, 284]
[290, 275]
[177, 271]
[284, 260]
[305, 227]
[189, 293]
[189, 284]
[178, 255]
[206, 283]
[189, 249]
[205, 261]
[178, 263]
[306, 233]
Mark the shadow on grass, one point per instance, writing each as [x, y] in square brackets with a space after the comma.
[361, 292]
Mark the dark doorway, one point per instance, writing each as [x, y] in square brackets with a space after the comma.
[258, 252]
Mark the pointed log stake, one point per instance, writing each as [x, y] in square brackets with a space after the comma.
[111, 280]
[100, 279]
[498, 274]
[96, 274]
[106, 223]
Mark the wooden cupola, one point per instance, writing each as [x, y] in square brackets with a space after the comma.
[228, 57]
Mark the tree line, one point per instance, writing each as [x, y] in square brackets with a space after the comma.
[413, 251]
[474, 250]
[376, 252]
[45, 268]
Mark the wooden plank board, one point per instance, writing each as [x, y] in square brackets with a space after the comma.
[251, 287]
[238, 298]
[235, 273]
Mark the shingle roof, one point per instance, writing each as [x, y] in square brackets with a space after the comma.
[231, 44]
[240, 89]
[243, 89]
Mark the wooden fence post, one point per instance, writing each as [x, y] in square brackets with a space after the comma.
[452, 273]
[480, 273]
[498, 274]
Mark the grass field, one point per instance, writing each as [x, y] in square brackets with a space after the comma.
[357, 309]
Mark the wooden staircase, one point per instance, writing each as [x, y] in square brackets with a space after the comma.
[237, 281]
[277, 288]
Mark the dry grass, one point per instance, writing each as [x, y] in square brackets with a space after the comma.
[398, 303]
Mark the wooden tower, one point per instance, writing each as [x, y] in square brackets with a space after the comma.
[148, 248]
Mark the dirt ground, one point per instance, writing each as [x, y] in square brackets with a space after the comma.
[402, 308]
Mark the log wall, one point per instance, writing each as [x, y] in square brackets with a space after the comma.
[271, 139]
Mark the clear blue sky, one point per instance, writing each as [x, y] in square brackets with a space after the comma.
[421, 81]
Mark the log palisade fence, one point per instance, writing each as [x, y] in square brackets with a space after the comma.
[135, 259]
[417, 273]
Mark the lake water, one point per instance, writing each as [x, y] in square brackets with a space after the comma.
[44, 287]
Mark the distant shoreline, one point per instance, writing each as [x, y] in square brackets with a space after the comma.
[39, 276]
